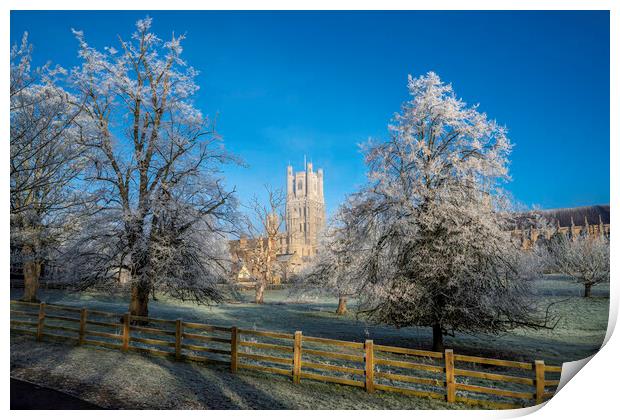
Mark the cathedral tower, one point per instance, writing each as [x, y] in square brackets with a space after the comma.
[305, 210]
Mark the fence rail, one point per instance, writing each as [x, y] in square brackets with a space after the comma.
[491, 383]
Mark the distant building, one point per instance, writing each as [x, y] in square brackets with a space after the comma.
[591, 221]
[305, 211]
[304, 221]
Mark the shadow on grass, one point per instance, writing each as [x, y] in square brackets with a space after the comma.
[221, 389]
[66, 352]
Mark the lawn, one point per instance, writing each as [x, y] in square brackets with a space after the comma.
[579, 333]
[114, 379]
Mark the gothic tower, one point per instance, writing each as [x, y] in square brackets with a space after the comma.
[305, 210]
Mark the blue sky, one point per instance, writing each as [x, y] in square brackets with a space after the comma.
[288, 84]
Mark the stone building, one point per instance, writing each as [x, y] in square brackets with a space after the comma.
[304, 221]
[591, 221]
[305, 211]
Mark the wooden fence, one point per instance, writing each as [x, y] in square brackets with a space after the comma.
[441, 375]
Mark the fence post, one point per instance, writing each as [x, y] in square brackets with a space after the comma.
[369, 372]
[83, 315]
[234, 339]
[41, 321]
[178, 337]
[126, 331]
[297, 358]
[450, 384]
[540, 380]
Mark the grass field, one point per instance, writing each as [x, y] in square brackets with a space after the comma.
[112, 379]
[580, 332]
[125, 380]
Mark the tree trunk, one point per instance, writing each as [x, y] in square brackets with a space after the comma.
[342, 306]
[438, 338]
[260, 292]
[587, 290]
[139, 300]
[32, 272]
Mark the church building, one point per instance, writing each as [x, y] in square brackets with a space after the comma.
[305, 212]
[304, 222]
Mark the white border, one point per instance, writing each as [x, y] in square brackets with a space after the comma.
[592, 395]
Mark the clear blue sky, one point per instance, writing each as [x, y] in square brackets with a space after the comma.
[285, 84]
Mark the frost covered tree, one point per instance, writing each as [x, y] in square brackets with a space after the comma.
[330, 271]
[584, 258]
[156, 170]
[430, 224]
[46, 159]
[263, 225]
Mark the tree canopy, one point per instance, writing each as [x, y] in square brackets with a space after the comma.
[431, 247]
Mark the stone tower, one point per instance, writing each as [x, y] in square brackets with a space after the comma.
[305, 210]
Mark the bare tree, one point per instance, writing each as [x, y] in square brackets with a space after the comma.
[430, 223]
[263, 225]
[46, 160]
[156, 164]
[584, 258]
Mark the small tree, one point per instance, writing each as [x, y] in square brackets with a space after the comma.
[263, 227]
[331, 268]
[584, 258]
[430, 225]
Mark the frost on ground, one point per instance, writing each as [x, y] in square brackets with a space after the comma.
[579, 333]
[113, 379]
